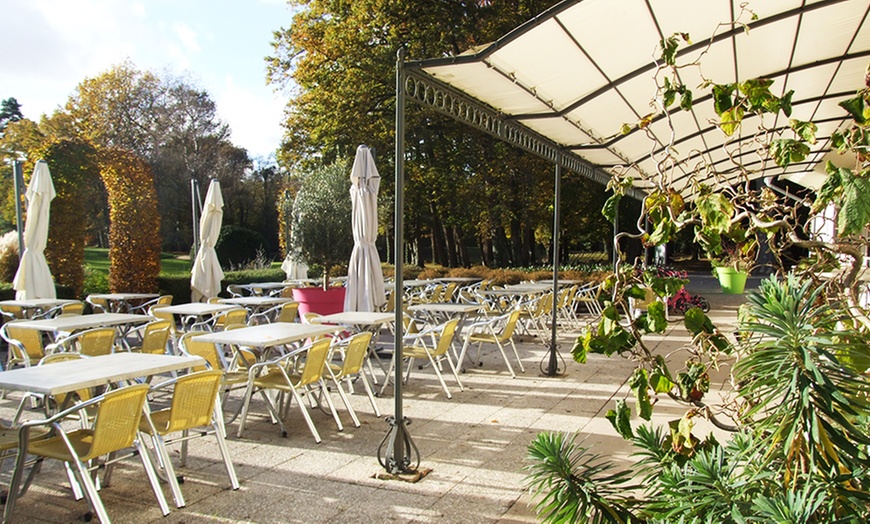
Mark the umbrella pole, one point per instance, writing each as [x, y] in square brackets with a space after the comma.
[395, 457]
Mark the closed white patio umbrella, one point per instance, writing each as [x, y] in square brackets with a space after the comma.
[33, 279]
[365, 279]
[206, 274]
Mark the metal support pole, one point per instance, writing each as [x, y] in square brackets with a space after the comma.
[196, 209]
[553, 362]
[396, 456]
[18, 179]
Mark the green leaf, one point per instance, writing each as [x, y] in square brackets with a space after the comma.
[663, 233]
[805, 130]
[722, 97]
[716, 211]
[855, 108]
[639, 383]
[730, 120]
[621, 419]
[579, 351]
[660, 383]
[656, 319]
[696, 321]
[855, 203]
[786, 151]
[686, 100]
[669, 49]
[610, 206]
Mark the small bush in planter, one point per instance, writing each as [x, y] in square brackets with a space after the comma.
[321, 219]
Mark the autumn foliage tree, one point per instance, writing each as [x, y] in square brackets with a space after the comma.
[134, 242]
[75, 173]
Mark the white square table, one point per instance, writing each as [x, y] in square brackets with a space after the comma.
[35, 306]
[264, 288]
[80, 322]
[122, 301]
[256, 303]
[362, 321]
[71, 375]
[267, 335]
[194, 312]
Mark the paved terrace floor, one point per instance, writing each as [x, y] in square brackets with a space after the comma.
[475, 445]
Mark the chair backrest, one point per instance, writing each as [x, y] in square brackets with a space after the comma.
[31, 339]
[72, 308]
[156, 336]
[446, 337]
[288, 312]
[117, 421]
[314, 362]
[95, 342]
[355, 353]
[208, 351]
[437, 293]
[193, 401]
[509, 326]
[155, 311]
[164, 300]
[235, 291]
[98, 305]
[11, 312]
[231, 317]
[309, 316]
[448, 292]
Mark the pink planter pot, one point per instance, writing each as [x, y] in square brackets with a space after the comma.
[316, 300]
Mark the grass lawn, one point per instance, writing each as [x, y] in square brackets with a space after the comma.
[97, 260]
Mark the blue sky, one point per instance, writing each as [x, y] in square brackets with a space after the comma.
[48, 46]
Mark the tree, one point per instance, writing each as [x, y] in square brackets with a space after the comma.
[10, 111]
[341, 56]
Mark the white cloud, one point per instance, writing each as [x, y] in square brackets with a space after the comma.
[254, 118]
[187, 35]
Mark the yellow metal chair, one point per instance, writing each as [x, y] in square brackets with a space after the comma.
[91, 343]
[155, 337]
[355, 351]
[286, 375]
[498, 331]
[285, 312]
[116, 427]
[194, 405]
[98, 305]
[25, 345]
[220, 321]
[235, 372]
[11, 313]
[432, 344]
[162, 300]
[449, 291]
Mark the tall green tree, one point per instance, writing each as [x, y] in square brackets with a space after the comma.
[339, 57]
[10, 111]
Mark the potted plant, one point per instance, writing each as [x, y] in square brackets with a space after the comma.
[730, 244]
[322, 236]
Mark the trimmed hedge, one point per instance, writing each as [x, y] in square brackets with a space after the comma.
[179, 285]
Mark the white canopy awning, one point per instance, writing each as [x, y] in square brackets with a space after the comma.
[563, 84]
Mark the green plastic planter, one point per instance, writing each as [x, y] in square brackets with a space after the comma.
[731, 280]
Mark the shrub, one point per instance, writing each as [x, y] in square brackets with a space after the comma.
[8, 256]
[237, 245]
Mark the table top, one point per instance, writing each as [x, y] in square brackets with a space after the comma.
[445, 307]
[255, 301]
[266, 285]
[77, 322]
[530, 287]
[36, 302]
[365, 318]
[268, 335]
[196, 308]
[124, 296]
[71, 375]
[458, 279]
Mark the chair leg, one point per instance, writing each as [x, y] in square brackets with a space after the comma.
[455, 371]
[440, 378]
[306, 415]
[152, 477]
[346, 401]
[517, 355]
[245, 405]
[92, 494]
[164, 458]
[504, 356]
[370, 394]
[220, 435]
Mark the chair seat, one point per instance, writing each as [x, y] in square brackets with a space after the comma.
[414, 352]
[483, 337]
[54, 447]
[275, 380]
[9, 437]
